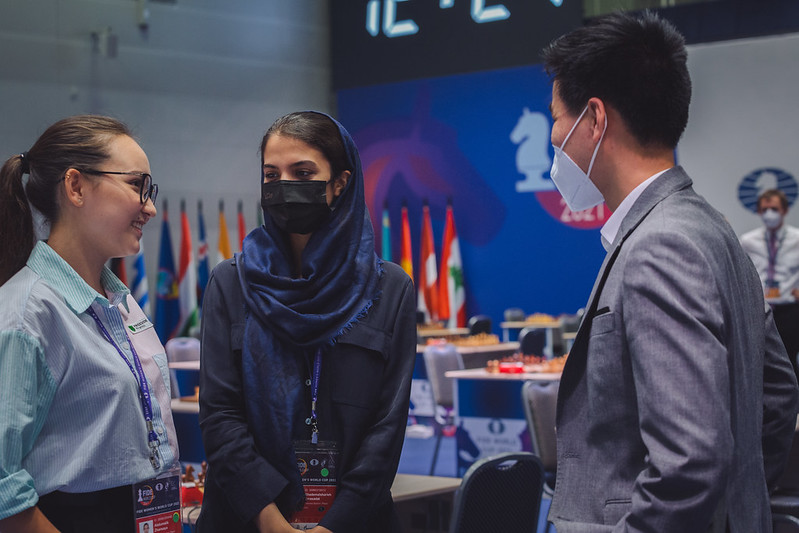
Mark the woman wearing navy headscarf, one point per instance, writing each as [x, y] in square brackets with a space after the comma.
[308, 346]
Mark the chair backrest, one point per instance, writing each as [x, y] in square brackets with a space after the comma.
[784, 523]
[499, 493]
[479, 324]
[514, 314]
[540, 400]
[182, 349]
[570, 323]
[532, 341]
[439, 359]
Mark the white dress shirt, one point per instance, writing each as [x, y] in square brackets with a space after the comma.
[786, 265]
[612, 224]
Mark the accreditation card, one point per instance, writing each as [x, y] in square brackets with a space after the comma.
[317, 464]
[156, 504]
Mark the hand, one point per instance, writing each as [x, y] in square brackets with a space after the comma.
[795, 293]
[271, 520]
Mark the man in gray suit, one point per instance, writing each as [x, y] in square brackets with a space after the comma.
[678, 403]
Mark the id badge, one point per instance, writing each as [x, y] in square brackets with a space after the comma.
[318, 465]
[156, 504]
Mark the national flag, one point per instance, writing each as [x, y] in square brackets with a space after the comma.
[386, 237]
[242, 226]
[224, 240]
[202, 257]
[118, 268]
[187, 277]
[452, 300]
[427, 301]
[167, 303]
[406, 257]
[140, 288]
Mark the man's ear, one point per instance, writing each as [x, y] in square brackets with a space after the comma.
[74, 186]
[598, 111]
[341, 182]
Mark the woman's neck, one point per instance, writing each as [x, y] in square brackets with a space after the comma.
[88, 268]
[298, 242]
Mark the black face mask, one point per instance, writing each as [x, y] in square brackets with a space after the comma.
[296, 206]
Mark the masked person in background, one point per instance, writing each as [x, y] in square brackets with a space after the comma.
[775, 252]
[677, 404]
[308, 346]
[85, 412]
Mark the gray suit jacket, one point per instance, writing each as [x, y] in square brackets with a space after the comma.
[678, 394]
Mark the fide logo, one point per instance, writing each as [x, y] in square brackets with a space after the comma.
[761, 179]
[146, 495]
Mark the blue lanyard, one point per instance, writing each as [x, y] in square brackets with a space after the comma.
[773, 246]
[317, 370]
[138, 374]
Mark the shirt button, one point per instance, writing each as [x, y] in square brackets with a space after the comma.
[307, 421]
[308, 382]
[159, 430]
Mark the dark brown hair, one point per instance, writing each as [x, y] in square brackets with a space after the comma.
[76, 142]
[771, 193]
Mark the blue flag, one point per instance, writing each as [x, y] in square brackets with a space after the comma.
[167, 302]
[202, 258]
[386, 237]
[140, 287]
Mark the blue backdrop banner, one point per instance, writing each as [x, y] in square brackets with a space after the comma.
[481, 140]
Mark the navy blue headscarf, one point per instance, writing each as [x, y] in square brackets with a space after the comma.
[289, 319]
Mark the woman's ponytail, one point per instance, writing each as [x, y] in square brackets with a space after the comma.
[16, 219]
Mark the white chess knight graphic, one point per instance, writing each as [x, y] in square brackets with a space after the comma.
[532, 157]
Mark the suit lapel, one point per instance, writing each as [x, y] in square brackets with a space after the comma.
[664, 186]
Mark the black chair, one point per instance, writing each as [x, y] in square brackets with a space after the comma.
[532, 341]
[438, 360]
[479, 324]
[499, 493]
[570, 323]
[785, 523]
[514, 314]
[540, 401]
[785, 496]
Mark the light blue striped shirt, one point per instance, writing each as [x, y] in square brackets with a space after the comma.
[70, 414]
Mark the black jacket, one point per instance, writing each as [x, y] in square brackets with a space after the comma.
[363, 406]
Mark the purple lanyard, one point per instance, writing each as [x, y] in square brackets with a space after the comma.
[773, 248]
[317, 370]
[138, 375]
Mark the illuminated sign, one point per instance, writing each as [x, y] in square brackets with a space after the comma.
[379, 41]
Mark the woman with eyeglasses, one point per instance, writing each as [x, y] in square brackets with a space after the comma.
[308, 346]
[85, 391]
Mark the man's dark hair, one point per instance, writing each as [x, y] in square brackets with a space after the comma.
[634, 63]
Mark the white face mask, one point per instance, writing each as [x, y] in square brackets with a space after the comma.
[771, 218]
[574, 185]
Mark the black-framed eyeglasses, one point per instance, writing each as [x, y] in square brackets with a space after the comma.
[147, 189]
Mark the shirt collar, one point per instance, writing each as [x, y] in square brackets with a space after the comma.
[777, 234]
[611, 228]
[63, 279]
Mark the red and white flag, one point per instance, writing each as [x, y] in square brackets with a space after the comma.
[427, 301]
[242, 226]
[406, 255]
[187, 278]
[452, 300]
